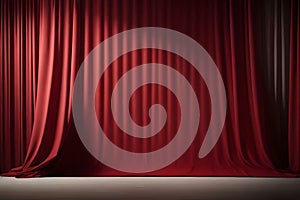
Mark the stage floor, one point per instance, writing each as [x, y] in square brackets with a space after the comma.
[150, 188]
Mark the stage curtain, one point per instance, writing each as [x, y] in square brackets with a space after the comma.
[255, 45]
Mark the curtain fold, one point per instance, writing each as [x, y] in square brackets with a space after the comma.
[294, 88]
[255, 45]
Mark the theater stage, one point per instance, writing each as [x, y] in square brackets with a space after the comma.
[150, 188]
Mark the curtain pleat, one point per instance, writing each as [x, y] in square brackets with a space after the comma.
[294, 89]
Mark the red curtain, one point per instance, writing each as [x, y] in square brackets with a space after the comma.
[255, 45]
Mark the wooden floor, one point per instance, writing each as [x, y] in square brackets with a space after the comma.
[150, 188]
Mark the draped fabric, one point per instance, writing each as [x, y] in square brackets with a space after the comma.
[255, 45]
